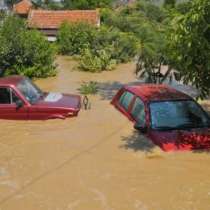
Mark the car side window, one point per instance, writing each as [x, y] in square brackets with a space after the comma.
[126, 99]
[138, 111]
[5, 96]
[14, 97]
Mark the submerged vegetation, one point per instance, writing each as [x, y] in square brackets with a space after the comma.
[89, 88]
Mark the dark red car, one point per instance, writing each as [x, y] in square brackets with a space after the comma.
[169, 118]
[20, 99]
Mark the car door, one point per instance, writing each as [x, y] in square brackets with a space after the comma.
[124, 103]
[8, 107]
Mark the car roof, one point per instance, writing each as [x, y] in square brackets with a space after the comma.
[11, 80]
[154, 92]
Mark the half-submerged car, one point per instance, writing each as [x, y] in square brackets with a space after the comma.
[20, 99]
[169, 118]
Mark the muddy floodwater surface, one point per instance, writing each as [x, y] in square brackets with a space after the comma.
[95, 161]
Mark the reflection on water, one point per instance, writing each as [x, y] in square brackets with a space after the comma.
[95, 161]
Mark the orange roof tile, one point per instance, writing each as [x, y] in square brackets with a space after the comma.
[23, 7]
[48, 19]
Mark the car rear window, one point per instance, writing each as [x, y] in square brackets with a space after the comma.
[126, 99]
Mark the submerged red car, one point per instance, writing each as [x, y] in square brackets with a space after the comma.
[169, 118]
[20, 99]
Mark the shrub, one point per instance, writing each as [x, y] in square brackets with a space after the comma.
[74, 38]
[24, 52]
[90, 88]
[96, 61]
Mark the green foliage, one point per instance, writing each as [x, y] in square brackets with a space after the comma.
[96, 60]
[183, 7]
[152, 54]
[86, 4]
[169, 3]
[24, 52]
[99, 48]
[118, 40]
[189, 43]
[131, 19]
[123, 46]
[108, 48]
[89, 88]
[74, 38]
[11, 2]
[126, 46]
[151, 11]
[2, 15]
[48, 4]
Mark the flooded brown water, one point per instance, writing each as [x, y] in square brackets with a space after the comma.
[95, 161]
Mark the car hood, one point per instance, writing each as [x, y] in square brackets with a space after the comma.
[59, 100]
[182, 139]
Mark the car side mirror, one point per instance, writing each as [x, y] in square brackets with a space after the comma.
[141, 128]
[19, 104]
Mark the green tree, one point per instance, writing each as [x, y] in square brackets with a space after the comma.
[23, 51]
[74, 38]
[49, 4]
[189, 44]
[169, 3]
[87, 4]
[124, 46]
[152, 55]
[183, 7]
[11, 2]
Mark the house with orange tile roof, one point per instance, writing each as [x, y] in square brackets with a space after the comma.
[49, 21]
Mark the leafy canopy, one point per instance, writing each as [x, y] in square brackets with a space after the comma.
[189, 43]
[23, 51]
[86, 4]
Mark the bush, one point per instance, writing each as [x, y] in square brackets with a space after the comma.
[74, 38]
[96, 61]
[88, 88]
[24, 52]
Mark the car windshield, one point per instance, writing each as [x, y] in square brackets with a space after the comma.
[31, 92]
[171, 115]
